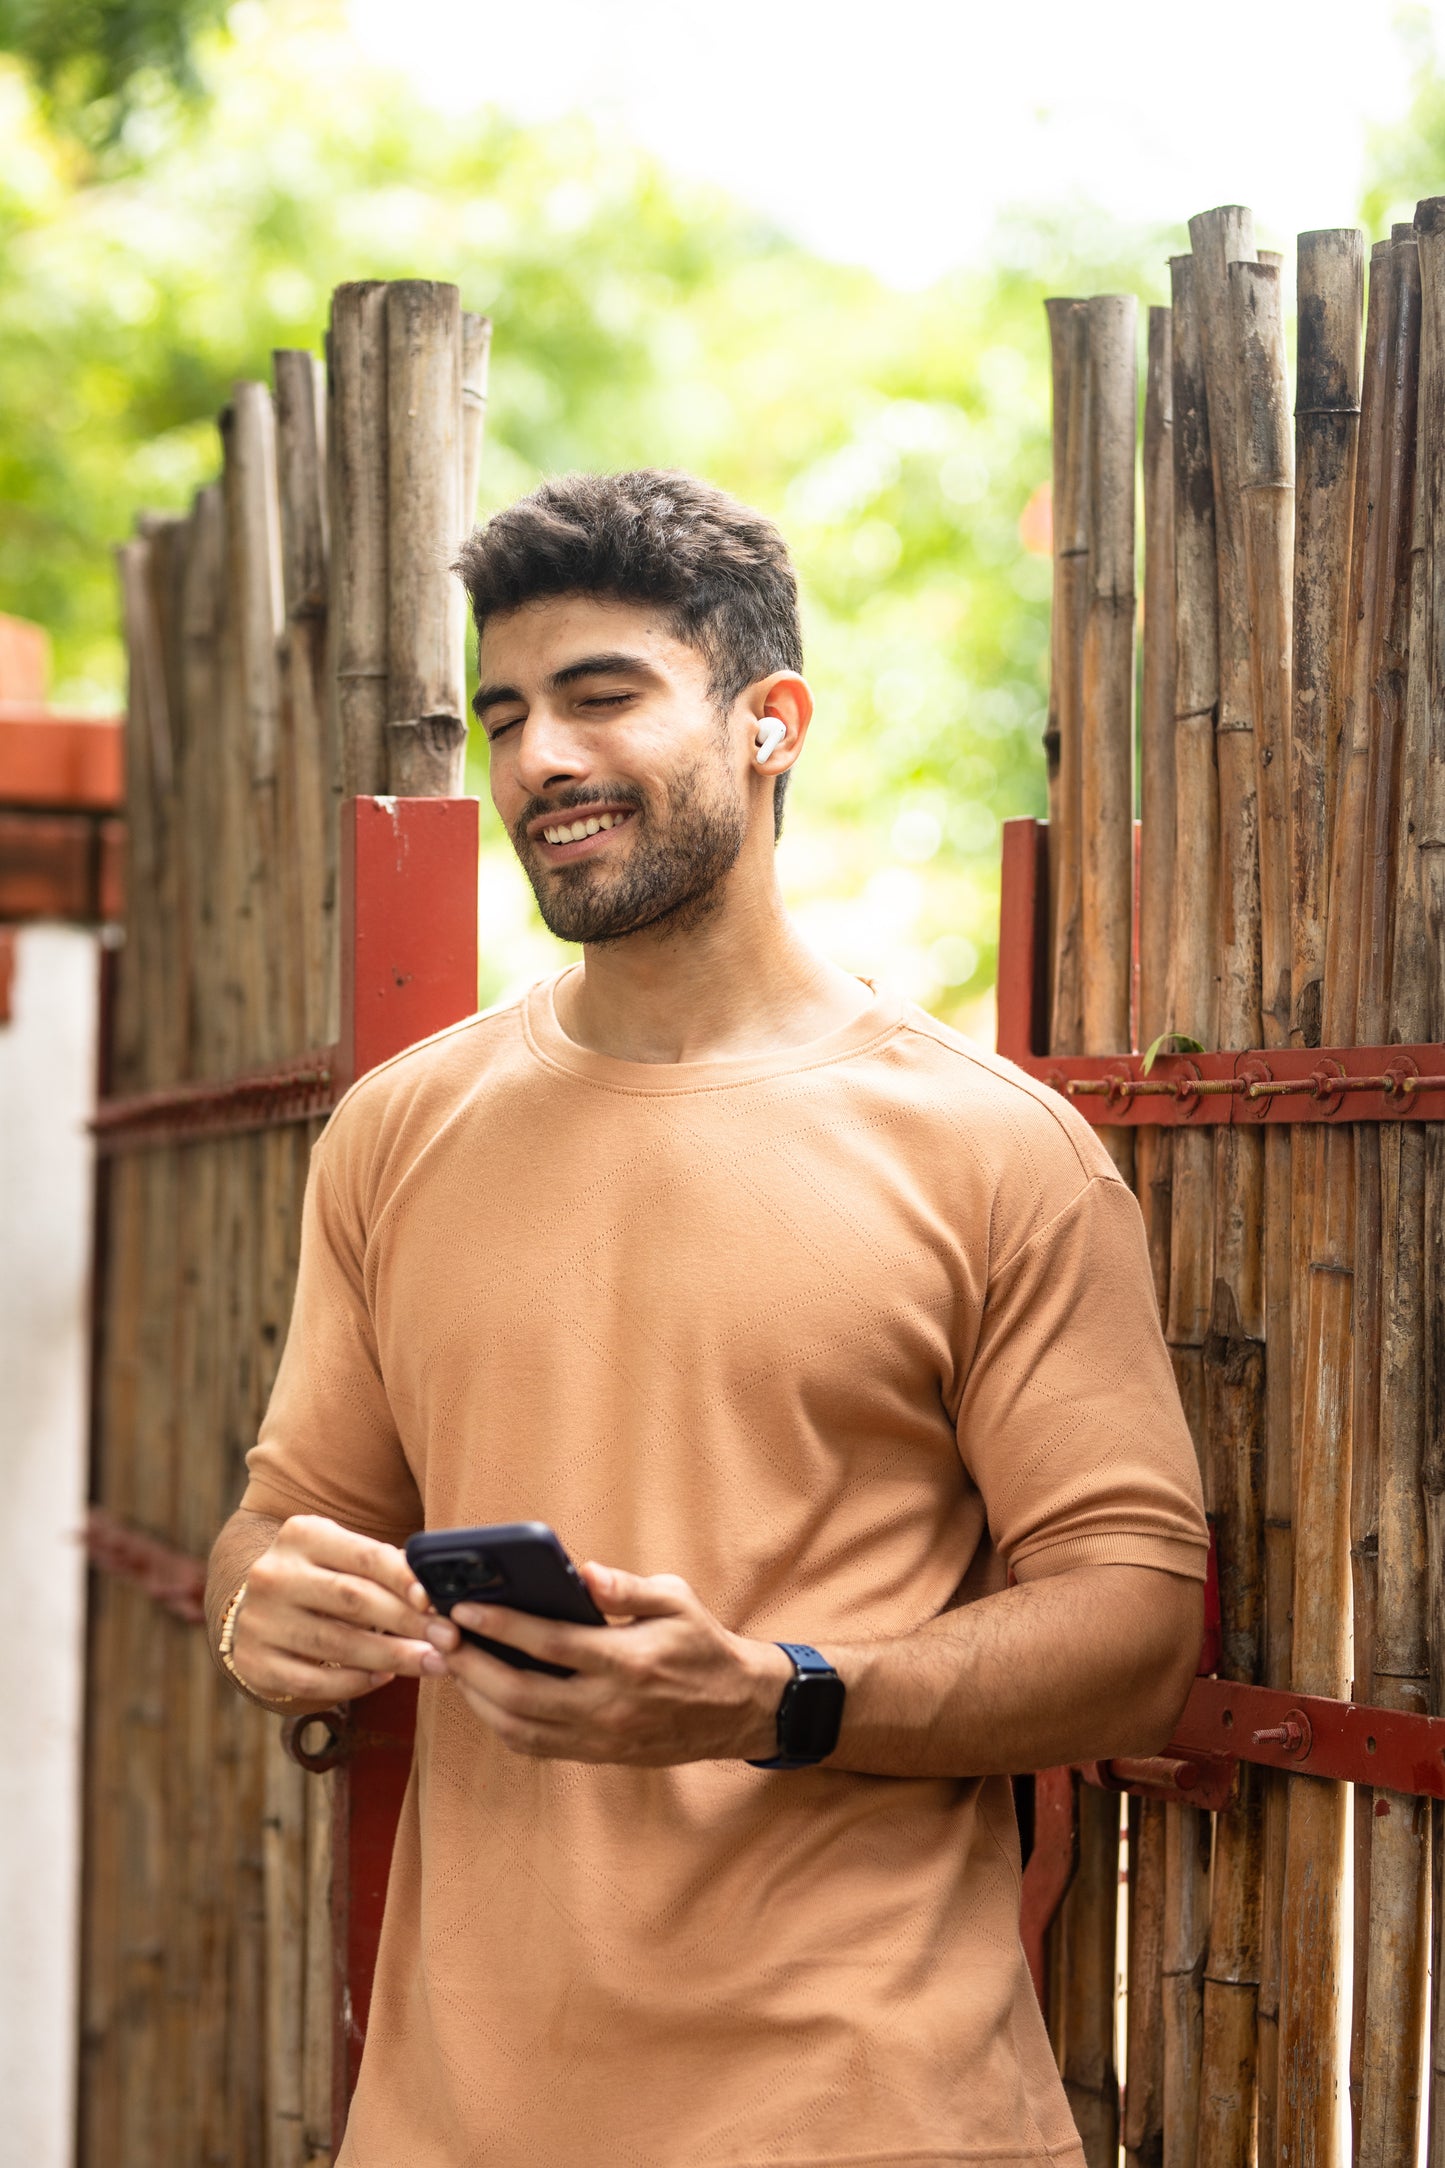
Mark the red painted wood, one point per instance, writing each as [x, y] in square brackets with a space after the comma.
[61, 761]
[409, 968]
[1022, 940]
[409, 923]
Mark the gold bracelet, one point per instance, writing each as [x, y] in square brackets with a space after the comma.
[223, 1650]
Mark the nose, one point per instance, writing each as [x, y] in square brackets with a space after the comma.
[549, 753]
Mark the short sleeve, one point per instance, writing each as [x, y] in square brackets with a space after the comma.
[329, 1443]
[1069, 1422]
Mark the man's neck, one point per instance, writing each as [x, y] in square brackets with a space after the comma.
[740, 982]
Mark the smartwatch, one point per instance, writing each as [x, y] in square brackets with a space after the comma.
[810, 1712]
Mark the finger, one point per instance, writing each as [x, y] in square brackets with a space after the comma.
[525, 1735]
[285, 1678]
[348, 1597]
[553, 1640]
[637, 1595]
[529, 1696]
[312, 1638]
[327, 1543]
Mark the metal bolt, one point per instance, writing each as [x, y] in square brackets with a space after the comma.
[1293, 1735]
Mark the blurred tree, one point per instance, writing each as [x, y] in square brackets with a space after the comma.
[897, 437]
[89, 58]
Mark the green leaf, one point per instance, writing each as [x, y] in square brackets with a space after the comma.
[1170, 1042]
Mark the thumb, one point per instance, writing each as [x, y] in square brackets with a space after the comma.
[637, 1595]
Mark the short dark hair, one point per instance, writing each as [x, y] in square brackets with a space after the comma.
[720, 570]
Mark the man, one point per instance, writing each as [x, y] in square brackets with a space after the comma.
[809, 1325]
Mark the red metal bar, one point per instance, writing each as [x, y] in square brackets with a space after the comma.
[1308, 1735]
[169, 1577]
[1184, 1779]
[294, 1091]
[1278, 1084]
[409, 968]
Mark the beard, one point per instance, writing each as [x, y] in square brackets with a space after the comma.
[671, 877]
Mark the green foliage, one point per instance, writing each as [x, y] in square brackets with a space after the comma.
[897, 437]
[1407, 159]
[90, 58]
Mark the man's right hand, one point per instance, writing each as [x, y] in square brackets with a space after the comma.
[329, 1615]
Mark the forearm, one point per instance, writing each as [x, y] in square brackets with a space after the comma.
[1078, 1667]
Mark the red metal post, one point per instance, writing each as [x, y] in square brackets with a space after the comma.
[409, 968]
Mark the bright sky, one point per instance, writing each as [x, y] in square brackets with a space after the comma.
[893, 132]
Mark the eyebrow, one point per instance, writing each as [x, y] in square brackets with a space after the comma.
[616, 664]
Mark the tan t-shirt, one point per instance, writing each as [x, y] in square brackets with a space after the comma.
[832, 1334]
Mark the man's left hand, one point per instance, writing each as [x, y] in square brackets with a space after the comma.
[662, 1682]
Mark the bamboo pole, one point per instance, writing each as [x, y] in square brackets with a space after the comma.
[1266, 481]
[1142, 2116]
[356, 350]
[1059, 311]
[1193, 1012]
[1143, 2103]
[1091, 2081]
[1420, 937]
[272, 1014]
[1394, 1000]
[1331, 299]
[114, 1624]
[476, 354]
[1327, 418]
[1107, 768]
[300, 1819]
[1234, 1352]
[426, 734]
[1377, 695]
[1316, 1828]
[1070, 320]
[1106, 801]
[205, 1498]
[1156, 702]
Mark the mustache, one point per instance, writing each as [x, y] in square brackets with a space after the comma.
[574, 801]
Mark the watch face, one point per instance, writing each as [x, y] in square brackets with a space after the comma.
[810, 1715]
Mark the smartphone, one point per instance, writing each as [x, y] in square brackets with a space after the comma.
[518, 1563]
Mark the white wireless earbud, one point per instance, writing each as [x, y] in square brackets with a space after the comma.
[770, 737]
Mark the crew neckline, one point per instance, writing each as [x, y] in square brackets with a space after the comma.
[550, 1043]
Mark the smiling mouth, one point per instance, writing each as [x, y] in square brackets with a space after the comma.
[581, 832]
[584, 825]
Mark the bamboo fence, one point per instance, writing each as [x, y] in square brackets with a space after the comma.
[1288, 894]
[295, 637]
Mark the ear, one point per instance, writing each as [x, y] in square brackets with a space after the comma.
[782, 699]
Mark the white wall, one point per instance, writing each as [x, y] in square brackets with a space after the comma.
[47, 1067]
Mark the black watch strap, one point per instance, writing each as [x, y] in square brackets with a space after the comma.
[810, 1712]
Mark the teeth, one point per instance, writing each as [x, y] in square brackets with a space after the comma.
[574, 831]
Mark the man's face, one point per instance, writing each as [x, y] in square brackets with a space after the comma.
[615, 773]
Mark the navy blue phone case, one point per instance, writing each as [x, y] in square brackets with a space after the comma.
[517, 1563]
